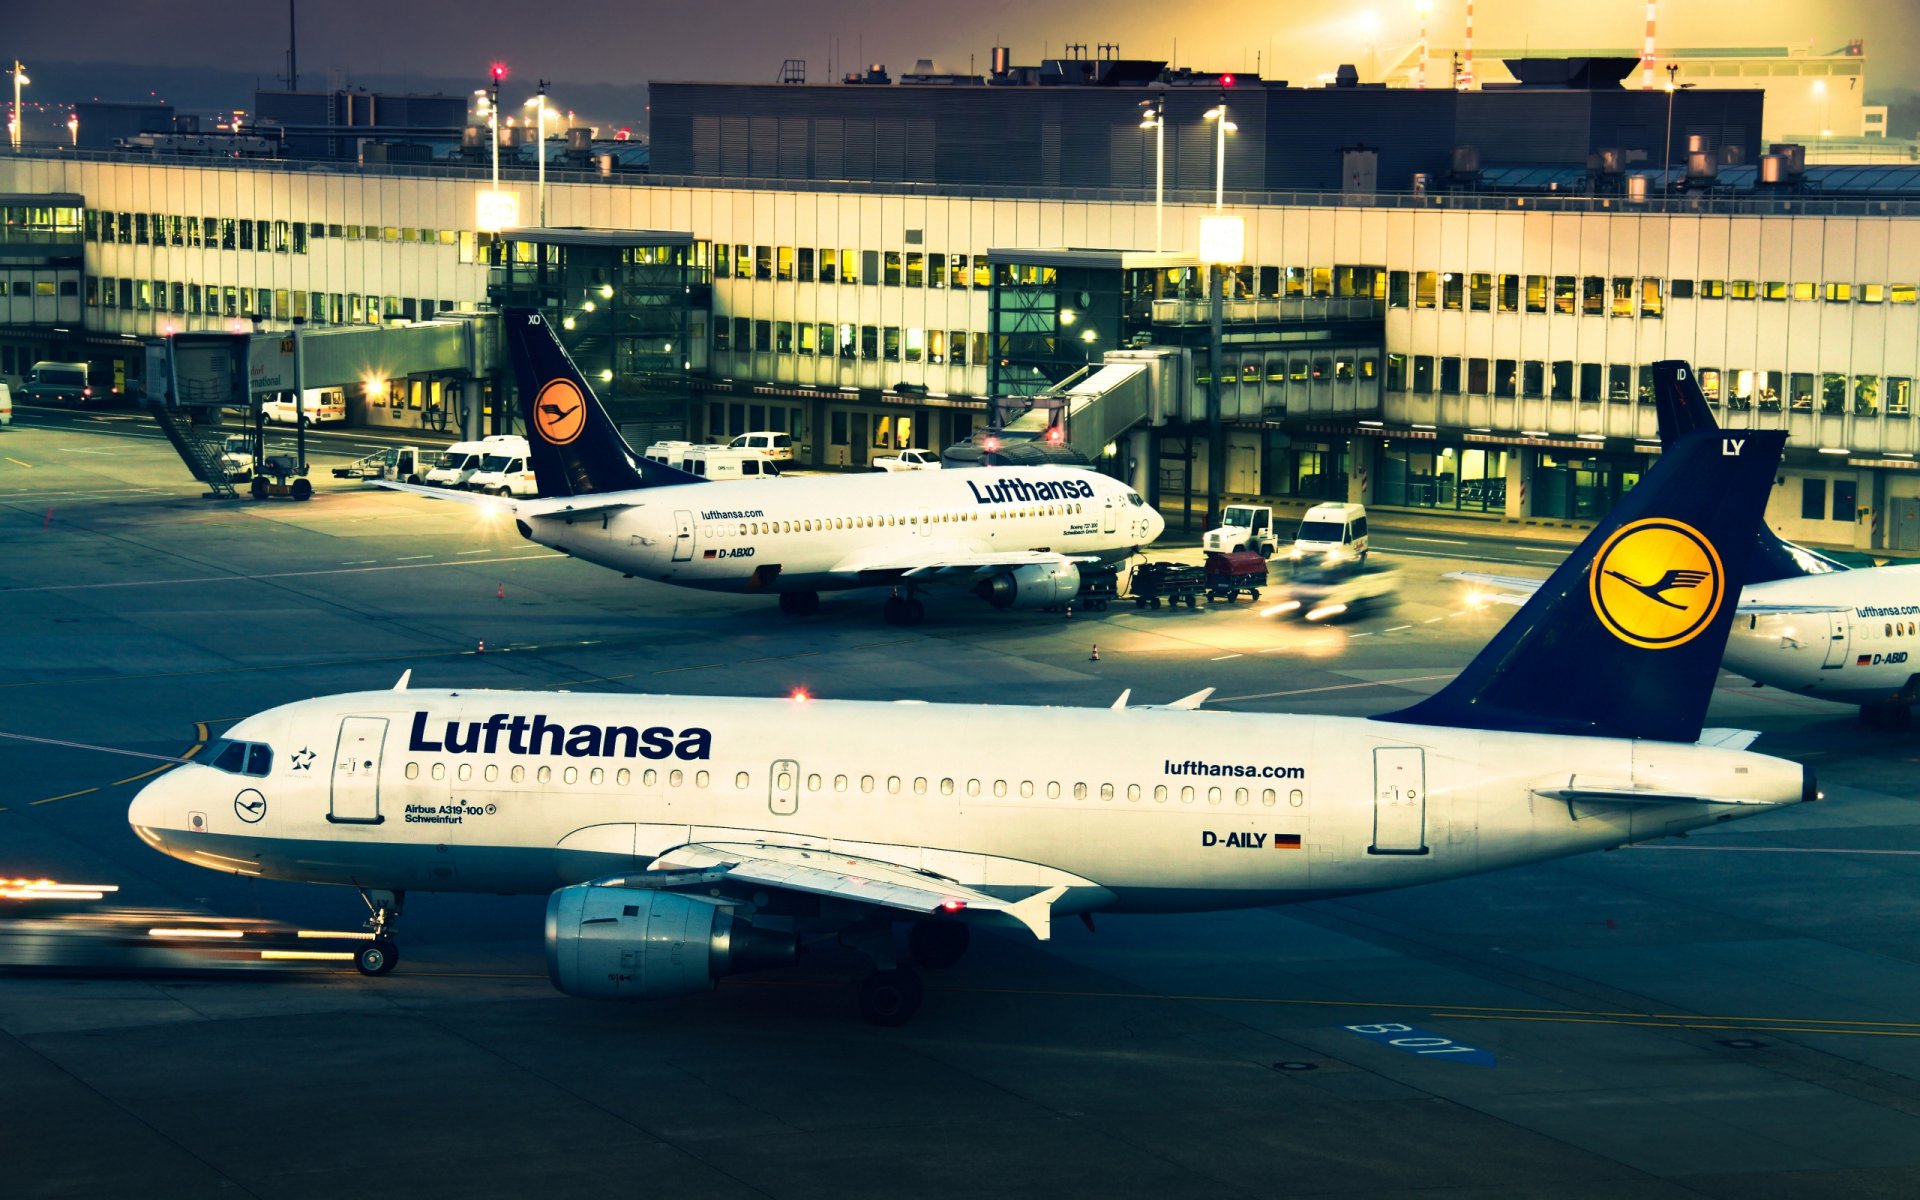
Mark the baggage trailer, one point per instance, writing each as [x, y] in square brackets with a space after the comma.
[1229, 576]
[1171, 582]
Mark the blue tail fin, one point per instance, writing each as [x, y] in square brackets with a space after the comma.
[1682, 408]
[576, 448]
[1625, 639]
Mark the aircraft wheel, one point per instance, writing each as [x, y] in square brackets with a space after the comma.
[377, 957]
[259, 488]
[894, 610]
[890, 997]
[936, 944]
[913, 613]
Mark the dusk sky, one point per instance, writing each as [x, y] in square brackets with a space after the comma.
[629, 42]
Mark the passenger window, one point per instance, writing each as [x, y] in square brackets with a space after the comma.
[893, 785]
[544, 774]
[440, 770]
[517, 774]
[1186, 794]
[1296, 797]
[1053, 789]
[973, 787]
[999, 787]
[946, 787]
[919, 785]
[740, 781]
[813, 783]
[1079, 791]
[491, 773]
[1266, 796]
[839, 783]
[866, 783]
[570, 775]
[701, 779]
[1026, 789]
[675, 778]
[623, 777]
[1133, 791]
[1239, 795]
[1160, 794]
[259, 759]
[649, 777]
[464, 773]
[597, 776]
[1213, 795]
[413, 770]
[1106, 791]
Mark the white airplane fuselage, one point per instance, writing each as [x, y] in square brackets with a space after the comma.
[835, 532]
[1848, 636]
[1133, 810]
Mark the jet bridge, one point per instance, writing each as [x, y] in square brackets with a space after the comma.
[1076, 419]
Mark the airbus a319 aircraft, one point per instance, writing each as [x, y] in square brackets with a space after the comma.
[1804, 622]
[687, 838]
[1015, 536]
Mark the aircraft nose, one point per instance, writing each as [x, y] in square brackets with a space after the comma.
[148, 811]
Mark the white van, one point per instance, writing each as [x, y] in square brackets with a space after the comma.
[1332, 532]
[770, 444]
[458, 462]
[506, 470]
[6, 404]
[725, 462]
[318, 406]
[671, 453]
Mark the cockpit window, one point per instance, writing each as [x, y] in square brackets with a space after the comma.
[1134, 499]
[242, 758]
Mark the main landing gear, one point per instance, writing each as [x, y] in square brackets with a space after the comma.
[799, 604]
[903, 610]
[1891, 715]
[382, 954]
[937, 944]
[891, 993]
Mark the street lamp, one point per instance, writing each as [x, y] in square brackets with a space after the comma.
[541, 113]
[1666, 161]
[1155, 118]
[1218, 115]
[1222, 244]
[493, 117]
[20, 80]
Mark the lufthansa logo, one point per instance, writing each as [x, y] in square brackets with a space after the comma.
[250, 806]
[1656, 583]
[560, 412]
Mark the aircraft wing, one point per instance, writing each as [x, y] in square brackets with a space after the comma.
[547, 506]
[1500, 589]
[854, 878]
[943, 559]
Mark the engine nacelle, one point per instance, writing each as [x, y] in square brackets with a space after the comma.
[618, 943]
[1033, 586]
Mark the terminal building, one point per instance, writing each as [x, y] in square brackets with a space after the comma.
[1416, 320]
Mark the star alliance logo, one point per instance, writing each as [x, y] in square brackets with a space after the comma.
[303, 760]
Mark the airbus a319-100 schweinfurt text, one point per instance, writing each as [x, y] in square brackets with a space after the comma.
[684, 838]
[1016, 536]
[1804, 623]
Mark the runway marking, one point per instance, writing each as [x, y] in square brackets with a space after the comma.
[412, 557]
[694, 667]
[16, 462]
[130, 583]
[1335, 687]
[1781, 850]
[1225, 657]
[481, 551]
[1396, 629]
[65, 796]
[1431, 620]
[1779, 1024]
[1407, 537]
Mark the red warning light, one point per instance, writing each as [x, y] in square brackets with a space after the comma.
[800, 696]
[1226, 81]
[499, 71]
[992, 445]
[625, 134]
[1054, 435]
[952, 904]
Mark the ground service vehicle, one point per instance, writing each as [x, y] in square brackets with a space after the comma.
[319, 406]
[6, 405]
[400, 464]
[281, 476]
[457, 463]
[62, 384]
[1171, 583]
[1332, 532]
[908, 460]
[1243, 527]
[236, 455]
[1349, 588]
[506, 471]
[710, 462]
[769, 444]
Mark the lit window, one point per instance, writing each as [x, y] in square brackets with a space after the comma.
[999, 787]
[1213, 795]
[491, 773]
[413, 770]
[570, 775]
[623, 777]
[1160, 794]
[439, 770]
[544, 774]
[465, 772]
[740, 780]
[597, 776]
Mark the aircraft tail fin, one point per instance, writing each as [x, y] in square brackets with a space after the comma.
[1682, 407]
[576, 448]
[1625, 638]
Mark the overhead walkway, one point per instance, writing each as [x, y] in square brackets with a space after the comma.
[1076, 419]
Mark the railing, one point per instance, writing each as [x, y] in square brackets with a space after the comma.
[1695, 204]
[1289, 309]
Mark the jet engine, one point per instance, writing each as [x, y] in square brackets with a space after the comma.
[1034, 586]
[610, 942]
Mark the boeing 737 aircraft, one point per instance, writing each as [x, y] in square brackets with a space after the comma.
[684, 838]
[1015, 536]
[1805, 623]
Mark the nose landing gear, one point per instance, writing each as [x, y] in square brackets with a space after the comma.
[903, 610]
[382, 954]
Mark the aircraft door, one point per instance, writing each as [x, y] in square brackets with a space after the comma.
[356, 771]
[1399, 800]
[783, 787]
[1110, 520]
[682, 535]
[1836, 641]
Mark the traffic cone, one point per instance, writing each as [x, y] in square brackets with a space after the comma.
[500, 591]
[1095, 656]
[482, 647]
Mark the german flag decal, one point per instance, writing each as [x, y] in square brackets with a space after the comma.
[1286, 841]
[1865, 660]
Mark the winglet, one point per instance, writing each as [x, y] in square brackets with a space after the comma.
[1036, 911]
[1191, 702]
[1122, 701]
[406, 677]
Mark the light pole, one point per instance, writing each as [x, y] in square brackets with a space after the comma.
[1155, 118]
[20, 80]
[1222, 241]
[1666, 161]
[1223, 127]
[541, 112]
[493, 119]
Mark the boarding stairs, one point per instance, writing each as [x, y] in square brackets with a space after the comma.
[202, 455]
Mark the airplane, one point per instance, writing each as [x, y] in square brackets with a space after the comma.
[686, 838]
[1805, 623]
[1015, 536]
